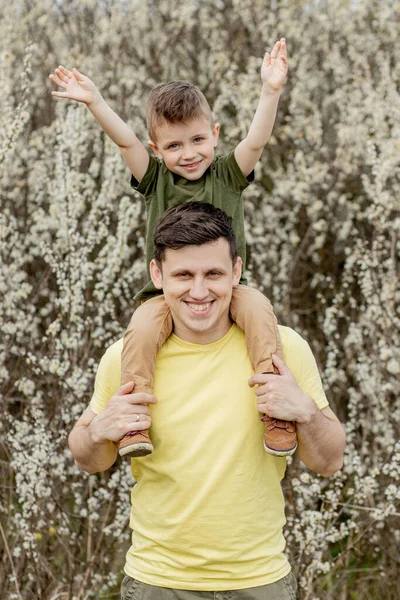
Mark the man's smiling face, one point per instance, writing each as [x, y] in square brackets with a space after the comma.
[197, 284]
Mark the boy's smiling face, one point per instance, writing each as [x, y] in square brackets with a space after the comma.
[187, 149]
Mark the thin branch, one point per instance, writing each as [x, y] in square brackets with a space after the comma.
[11, 560]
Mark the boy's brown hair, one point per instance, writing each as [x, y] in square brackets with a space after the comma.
[175, 102]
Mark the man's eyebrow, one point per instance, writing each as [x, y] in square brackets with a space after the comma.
[180, 270]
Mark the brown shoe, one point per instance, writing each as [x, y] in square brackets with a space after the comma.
[136, 443]
[280, 437]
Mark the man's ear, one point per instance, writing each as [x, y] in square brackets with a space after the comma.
[237, 270]
[216, 130]
[156, 274]
[155, 149]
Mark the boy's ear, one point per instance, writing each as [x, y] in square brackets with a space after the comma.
[216, 130]
[155, 149]
[156, 274]
[237, 271]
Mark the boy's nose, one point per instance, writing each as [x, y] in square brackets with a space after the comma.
[188, 153]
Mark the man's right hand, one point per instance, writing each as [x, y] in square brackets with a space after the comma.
[126, 411]
[76, 86]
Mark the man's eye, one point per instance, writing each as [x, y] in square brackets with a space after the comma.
[214, 274]
[183, 275]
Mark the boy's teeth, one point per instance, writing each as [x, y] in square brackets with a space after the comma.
[199, 307]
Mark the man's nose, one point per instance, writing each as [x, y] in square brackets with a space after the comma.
[199, 289]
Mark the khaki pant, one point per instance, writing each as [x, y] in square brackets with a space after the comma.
[284, 589]
[151, 325]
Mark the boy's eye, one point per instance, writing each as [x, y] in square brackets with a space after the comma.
[198, 139]
[173, 146]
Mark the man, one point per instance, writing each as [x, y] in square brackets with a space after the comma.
[207, 510]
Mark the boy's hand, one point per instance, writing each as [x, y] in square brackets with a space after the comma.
[275, 67]
[77, 86]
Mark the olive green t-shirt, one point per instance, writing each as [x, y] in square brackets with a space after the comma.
[221, 185]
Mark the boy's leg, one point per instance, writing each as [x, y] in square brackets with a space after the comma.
[150, 326]
[254, 314]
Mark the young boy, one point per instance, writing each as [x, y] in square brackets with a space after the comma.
[183, 136]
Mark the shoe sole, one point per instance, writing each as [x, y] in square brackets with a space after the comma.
[135, 450]
[280, 452]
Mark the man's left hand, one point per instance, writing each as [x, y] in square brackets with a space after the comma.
[279, 396]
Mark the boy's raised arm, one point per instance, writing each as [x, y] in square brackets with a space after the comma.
[273, 74]
[78, 87]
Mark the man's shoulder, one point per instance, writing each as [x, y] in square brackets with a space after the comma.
[296, 349]
[112, 355]
[108, 376]
[115, 350]
[290, 337]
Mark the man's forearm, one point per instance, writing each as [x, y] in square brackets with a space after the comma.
[321, 444]
[264, 119]
[89, 455]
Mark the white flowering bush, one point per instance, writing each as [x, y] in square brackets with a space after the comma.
[322, 226]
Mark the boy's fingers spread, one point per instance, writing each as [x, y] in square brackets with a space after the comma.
[283, 51]
[62, 76]
[66, 72]
[60, 94]
[57, 81]
[275, 50]
[78, 75]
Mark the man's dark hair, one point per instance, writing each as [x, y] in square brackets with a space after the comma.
[193, 224]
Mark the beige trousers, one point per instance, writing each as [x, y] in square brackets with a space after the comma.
[284, 589]
[151, 325]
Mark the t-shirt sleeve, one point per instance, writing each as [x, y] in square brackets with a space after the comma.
[108, 377]
[300, 360]
[229, 173]
[148, 184]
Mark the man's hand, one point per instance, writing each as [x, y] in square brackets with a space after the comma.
[76, 85]
[275, 66]
[279, 396]
[126, 411]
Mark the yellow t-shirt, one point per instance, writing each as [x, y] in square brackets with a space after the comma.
[207, 509]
